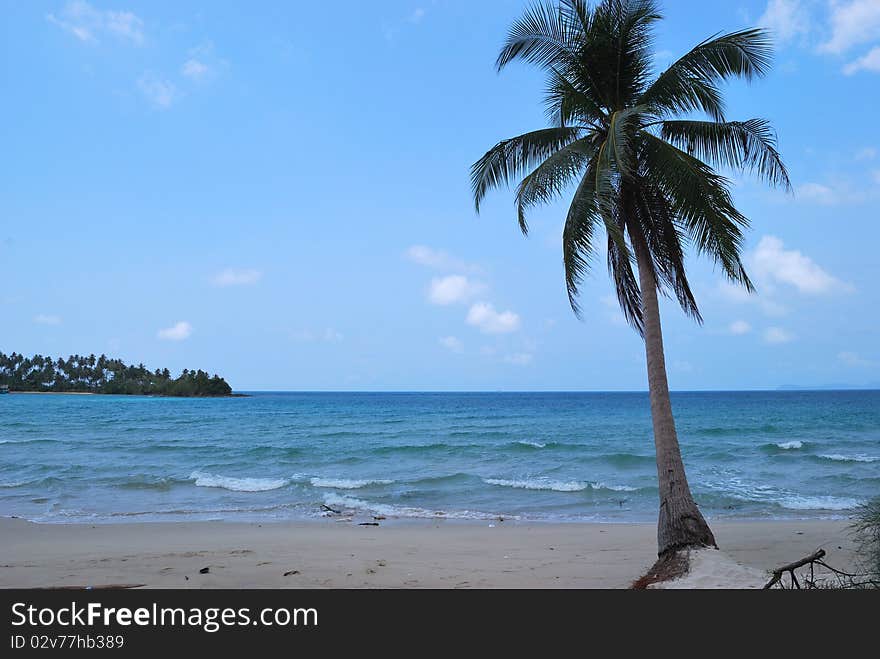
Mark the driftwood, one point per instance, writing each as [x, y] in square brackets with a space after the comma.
[791, 567]
[840, 578]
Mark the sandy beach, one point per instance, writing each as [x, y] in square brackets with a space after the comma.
[340, 554]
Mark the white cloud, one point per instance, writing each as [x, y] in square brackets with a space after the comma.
[452, 344]
[818, 193]
[853, 22]
[519, 358]
[843, 192]
[452, 289]
[237, 277]
[437, 259]
[868, 62]
[202, 63]
[47, 319]
[739, 327]
[483, 316]
[158, 91]
[738, 294]
[777, 335]
[786, 19]
[124, 25]
[86, 23]
[194, 69]
[734, 293]
[854, 359]
[177, 332]
[776, 264]
[866, 153]
[417, 15]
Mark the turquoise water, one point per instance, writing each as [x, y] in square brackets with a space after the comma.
[540, 456]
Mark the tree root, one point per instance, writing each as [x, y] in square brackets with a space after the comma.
[672, 565]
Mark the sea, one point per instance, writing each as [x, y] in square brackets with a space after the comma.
[532, 457]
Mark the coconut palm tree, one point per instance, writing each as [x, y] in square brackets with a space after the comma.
[641, 166]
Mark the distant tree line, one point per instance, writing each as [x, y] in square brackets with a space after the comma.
[102, 375]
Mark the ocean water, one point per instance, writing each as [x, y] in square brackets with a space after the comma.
[528, 456]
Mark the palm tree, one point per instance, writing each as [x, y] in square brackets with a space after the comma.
[641, 171]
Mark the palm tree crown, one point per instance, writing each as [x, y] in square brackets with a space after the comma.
[617, 137]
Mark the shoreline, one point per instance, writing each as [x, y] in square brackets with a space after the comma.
[331, 553]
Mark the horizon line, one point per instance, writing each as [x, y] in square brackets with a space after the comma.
[780, 389]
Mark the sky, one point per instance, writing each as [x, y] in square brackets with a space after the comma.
[279, 192]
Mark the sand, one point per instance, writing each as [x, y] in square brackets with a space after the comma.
[427, 554]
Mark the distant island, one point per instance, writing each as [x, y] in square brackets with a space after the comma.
[102, 375]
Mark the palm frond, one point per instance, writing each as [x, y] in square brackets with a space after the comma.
[700, 200]
[622, 129]
[743, 54]
[541, 36]
[552, 176]
[691, 82]
[657, 222]
[633, 23]
[749, 145]
[629, 295]
[578, 235]
[511, 158]
[566, 102]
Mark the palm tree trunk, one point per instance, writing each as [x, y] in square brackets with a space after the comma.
[680, 523]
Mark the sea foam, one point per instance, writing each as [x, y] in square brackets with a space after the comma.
[539, 484]
[556, 486]
[237, 484]
[836, 457]
[352, 503]
[818, 503]
[795, 444]
[347, 484]
[525, 442]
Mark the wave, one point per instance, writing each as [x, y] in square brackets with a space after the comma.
[33, 441]
[787, 446]
[736, 488]
[798, 502]
[525, 442]
[556, 486]
[347, 484]
[613, 488]
[836, 457]
[237, 484]
[354, 504]
[150, 483]
[539, 484]
[778, 448]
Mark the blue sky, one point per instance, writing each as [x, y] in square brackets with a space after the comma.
[279, 192]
